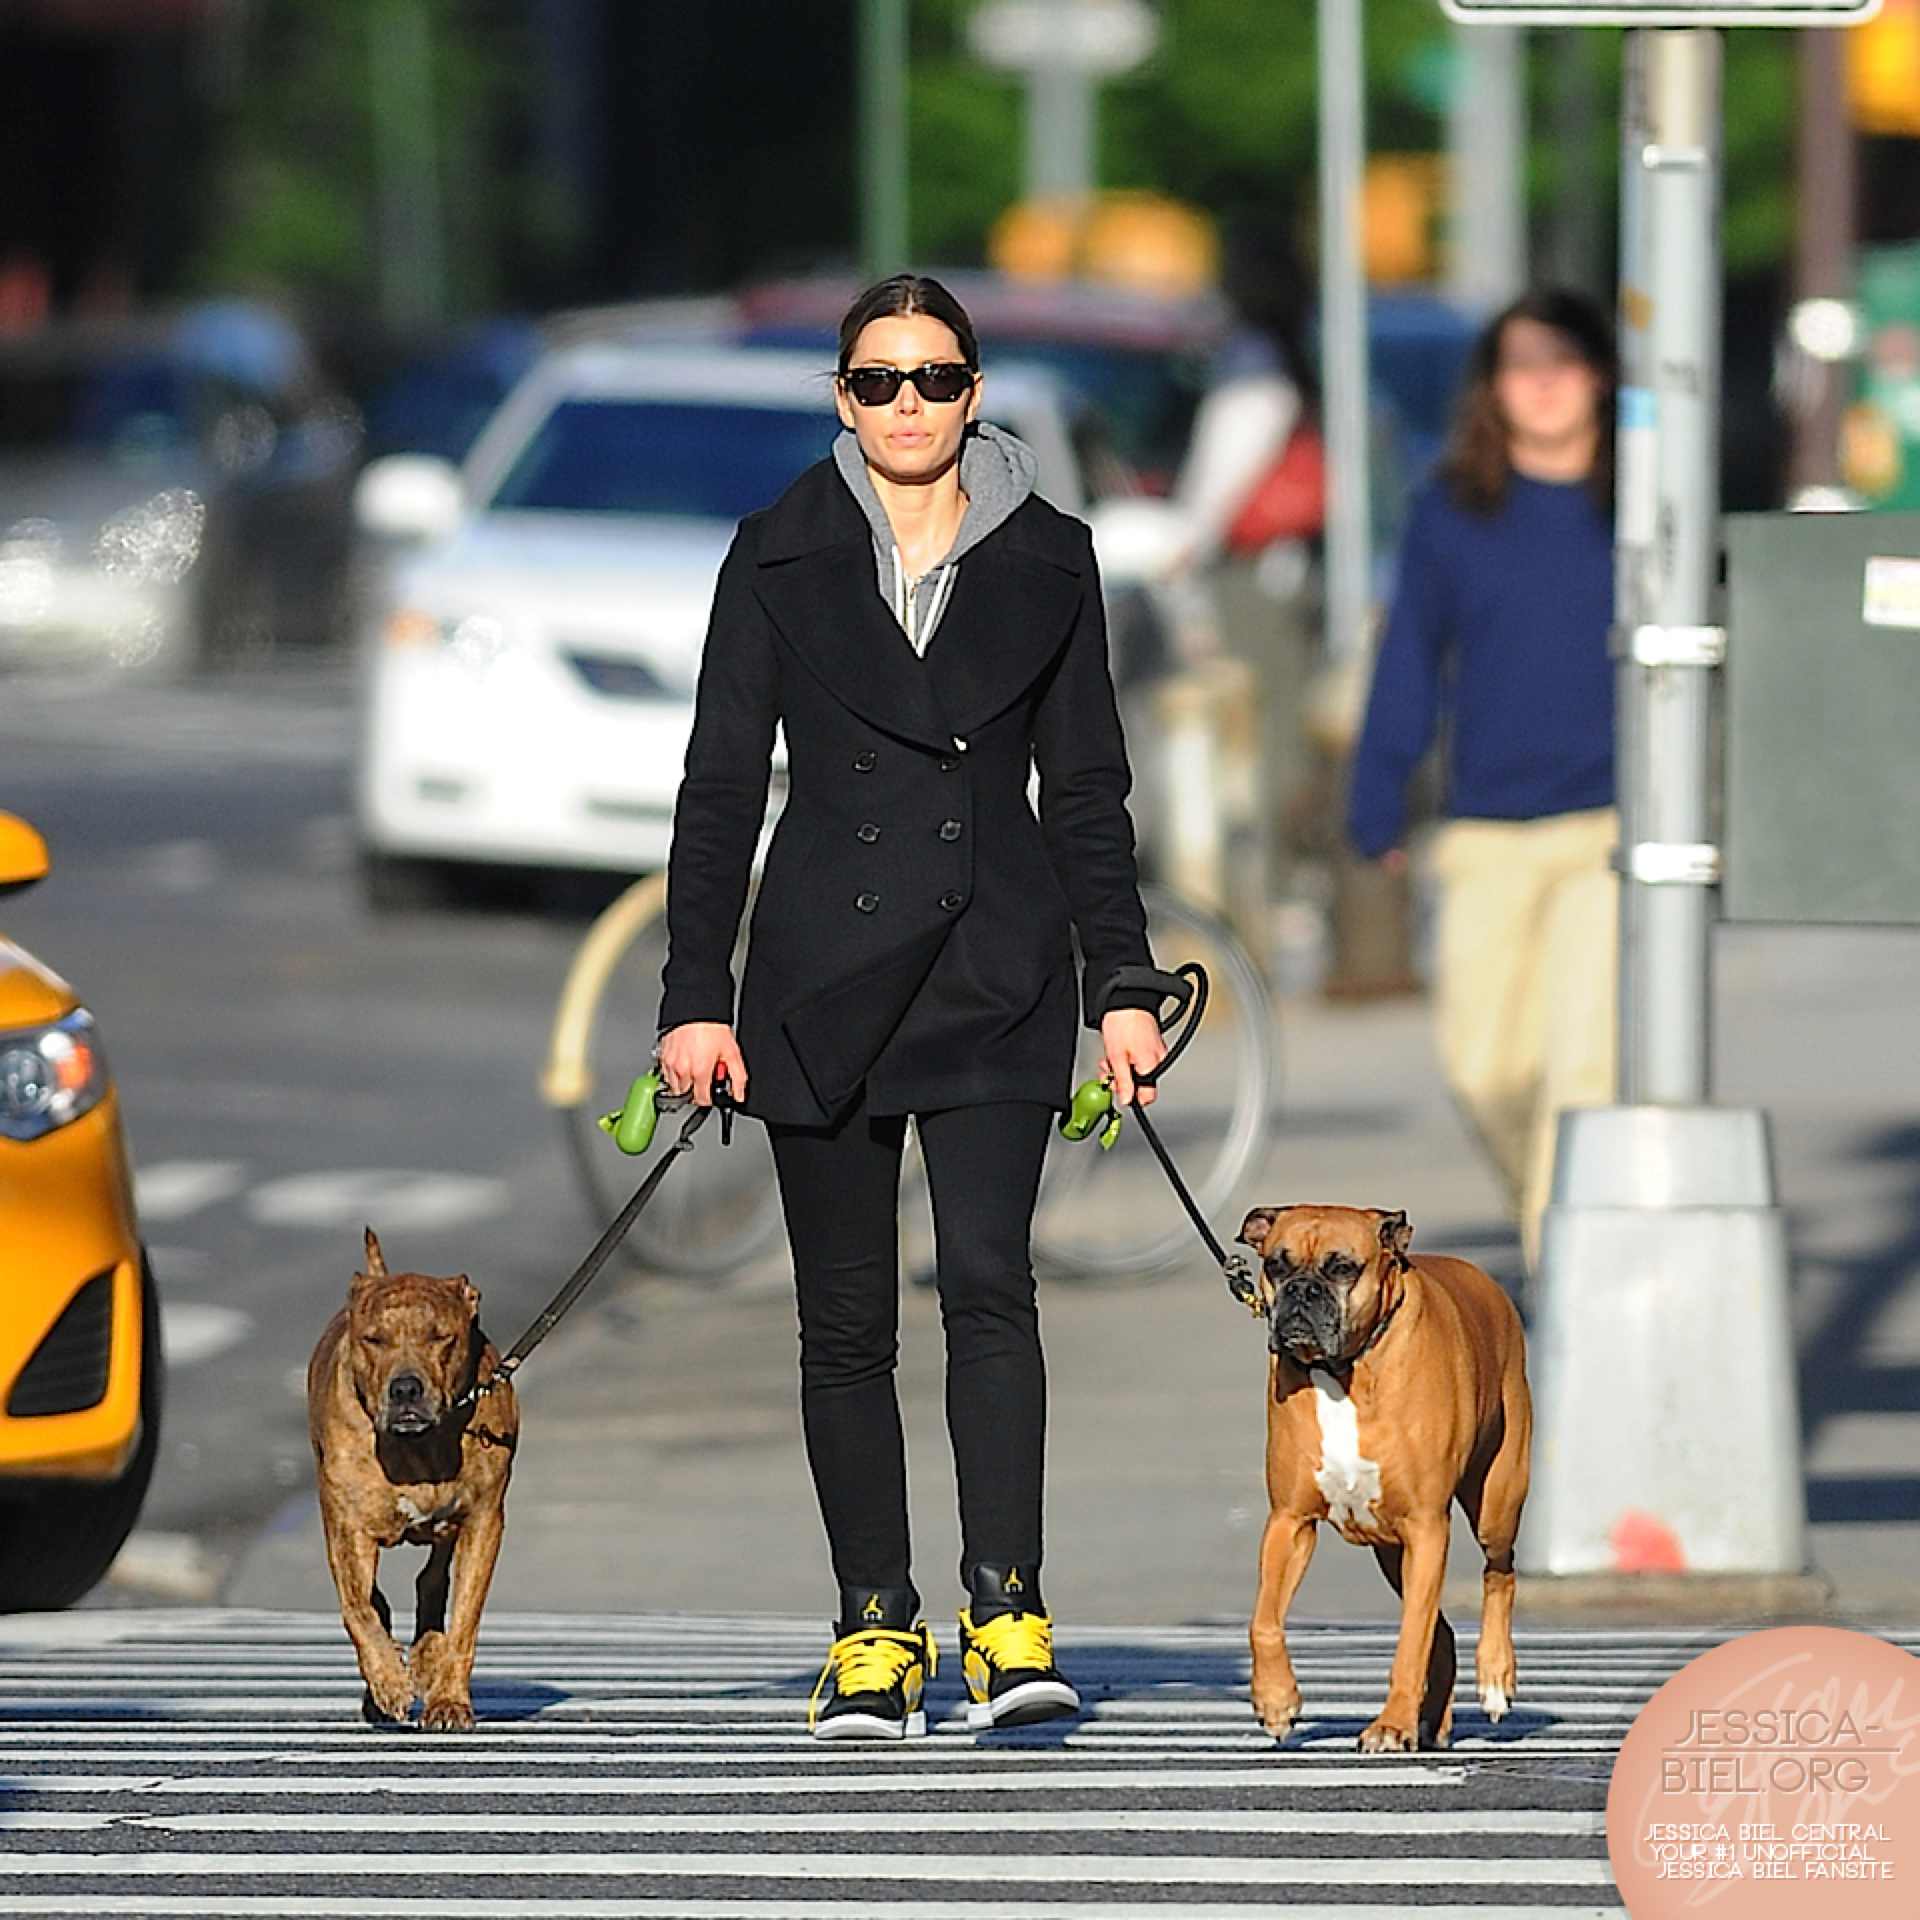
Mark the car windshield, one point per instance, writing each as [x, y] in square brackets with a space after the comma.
[436, 410]
[109, 406]
[663, 456]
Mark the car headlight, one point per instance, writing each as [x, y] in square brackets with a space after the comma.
[476, 640]
[50, 1076]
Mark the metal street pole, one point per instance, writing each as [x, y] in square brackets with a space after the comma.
[1666, 546]
[1486, 155]
[883, 136]
[1343, 326]
[406, 165]
[1060, 128]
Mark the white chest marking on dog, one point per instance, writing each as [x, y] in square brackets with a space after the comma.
[410, 1508]
[1349, 1481]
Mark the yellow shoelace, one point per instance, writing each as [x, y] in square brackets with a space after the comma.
[873, 1661]
[1015, 1641]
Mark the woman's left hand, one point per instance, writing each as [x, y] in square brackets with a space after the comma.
[1133, 1043]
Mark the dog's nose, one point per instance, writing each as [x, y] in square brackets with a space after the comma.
[405, 1388]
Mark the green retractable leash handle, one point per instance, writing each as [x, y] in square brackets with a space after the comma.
[633, 1125]
[1093, 1109]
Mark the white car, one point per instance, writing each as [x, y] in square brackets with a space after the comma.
[529, 666]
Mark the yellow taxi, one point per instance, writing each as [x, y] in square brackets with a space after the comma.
[80, 1368]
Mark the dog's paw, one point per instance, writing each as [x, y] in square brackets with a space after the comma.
[423, 1662]
[1277, 1712]
[386, 1706]
[1390, 1736]
[1495, 1701]
[448, 1714]
[1437, 1738]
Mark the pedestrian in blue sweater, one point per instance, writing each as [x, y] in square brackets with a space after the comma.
[1496, 644]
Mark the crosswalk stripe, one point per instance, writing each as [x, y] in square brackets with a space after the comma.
[1323, 1706]
[1548, 1821]
[327, 1665]
[216, 1906]
[538, 1786]
[1082, 1869]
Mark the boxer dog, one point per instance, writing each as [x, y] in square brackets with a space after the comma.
[1397, 1385]
[403, 1455]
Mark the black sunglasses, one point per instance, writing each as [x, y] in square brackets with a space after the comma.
[938, 380]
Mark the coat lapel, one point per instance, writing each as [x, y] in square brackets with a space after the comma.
[828, 608]
[1012, 607]
[817, 582]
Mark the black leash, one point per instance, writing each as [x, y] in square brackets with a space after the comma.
[1188, 985]
[582, 1275]
[1239, 1275]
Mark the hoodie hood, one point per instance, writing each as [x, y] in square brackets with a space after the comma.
[997, 473]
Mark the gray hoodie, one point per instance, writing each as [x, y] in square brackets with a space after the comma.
[997, 472]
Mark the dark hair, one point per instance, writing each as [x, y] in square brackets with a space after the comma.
[1264, 283]
[907, 293]
[1476, 466]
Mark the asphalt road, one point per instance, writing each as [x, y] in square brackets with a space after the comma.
[290, 1066]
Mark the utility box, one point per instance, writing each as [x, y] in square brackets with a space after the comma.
[1821, 816]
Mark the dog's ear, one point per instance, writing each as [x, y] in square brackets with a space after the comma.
[468, 1292]
[1395, 1234]
[376, 1260]
[1257, 1225]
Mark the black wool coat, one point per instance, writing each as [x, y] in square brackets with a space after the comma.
[913, 932]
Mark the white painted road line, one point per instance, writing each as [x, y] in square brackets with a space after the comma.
[348, 1785]
[1318, 1869]
[173, 1189]
[398, 1199]
[1556, 1823]
[192, 1331]
[205, 1906]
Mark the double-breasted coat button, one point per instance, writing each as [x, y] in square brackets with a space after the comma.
[953, 901]
[866, 902]
[867, 831]
[865, 762]
[959, 744]
[947, 766]
[949, 829]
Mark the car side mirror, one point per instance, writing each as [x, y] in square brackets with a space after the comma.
[23, 854]
[408, 496]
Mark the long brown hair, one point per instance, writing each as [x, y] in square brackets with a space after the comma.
[1476, 465]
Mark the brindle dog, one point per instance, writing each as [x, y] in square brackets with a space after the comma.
[403, 1456]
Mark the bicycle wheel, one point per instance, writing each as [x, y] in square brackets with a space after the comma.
[719, 1208]
[1108, 1213]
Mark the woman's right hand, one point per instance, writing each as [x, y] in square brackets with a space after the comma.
[689, 1054]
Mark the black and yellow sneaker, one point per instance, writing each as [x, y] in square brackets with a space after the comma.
[1006, 1651]
[879, 1666]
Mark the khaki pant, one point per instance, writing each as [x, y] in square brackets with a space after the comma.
[1525, 995]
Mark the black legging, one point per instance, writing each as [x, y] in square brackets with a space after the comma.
[840, 1188]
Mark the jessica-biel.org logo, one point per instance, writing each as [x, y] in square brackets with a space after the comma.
[1777, 1775]
[1726, 1750]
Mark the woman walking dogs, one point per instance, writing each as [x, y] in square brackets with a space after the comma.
[928, 632]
